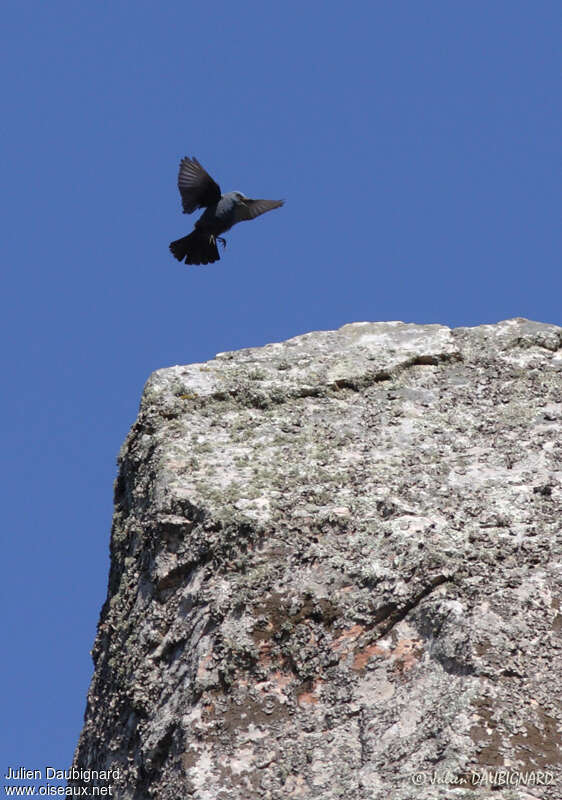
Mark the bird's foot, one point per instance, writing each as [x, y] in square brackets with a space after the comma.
[214, 239]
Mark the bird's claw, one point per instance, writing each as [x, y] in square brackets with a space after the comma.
[214, 239]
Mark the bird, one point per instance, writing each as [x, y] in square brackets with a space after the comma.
[222, 211]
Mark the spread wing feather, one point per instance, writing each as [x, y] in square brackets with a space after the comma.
[196, 186]
[250, 209]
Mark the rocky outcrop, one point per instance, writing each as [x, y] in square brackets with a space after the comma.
[335, 568]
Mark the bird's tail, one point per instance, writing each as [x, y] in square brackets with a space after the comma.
[197, 248]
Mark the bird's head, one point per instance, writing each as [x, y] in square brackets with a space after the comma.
[239, 197]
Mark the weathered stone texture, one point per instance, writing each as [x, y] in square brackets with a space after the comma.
[335, 563]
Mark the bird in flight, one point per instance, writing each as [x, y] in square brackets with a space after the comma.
[222, 211]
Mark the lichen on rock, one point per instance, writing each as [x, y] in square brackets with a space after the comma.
[335, 565]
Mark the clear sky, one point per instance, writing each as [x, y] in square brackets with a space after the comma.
[415, 143]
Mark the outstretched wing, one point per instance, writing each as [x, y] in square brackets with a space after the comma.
[249, 209]
[196, 186]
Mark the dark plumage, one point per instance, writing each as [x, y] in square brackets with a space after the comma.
[222, 211]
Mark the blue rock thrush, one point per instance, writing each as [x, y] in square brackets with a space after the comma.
[222, 211]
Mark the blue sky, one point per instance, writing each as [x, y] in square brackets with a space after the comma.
[416, 146]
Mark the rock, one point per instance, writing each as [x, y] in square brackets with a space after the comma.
[335, 572]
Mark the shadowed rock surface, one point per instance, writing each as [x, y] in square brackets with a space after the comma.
[335, 563]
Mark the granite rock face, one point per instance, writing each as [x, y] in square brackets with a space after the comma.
[335, 567]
